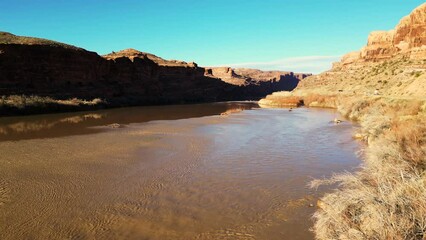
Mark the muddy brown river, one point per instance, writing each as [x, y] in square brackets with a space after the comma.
[206, 171]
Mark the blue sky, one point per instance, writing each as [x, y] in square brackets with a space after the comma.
[297, 35]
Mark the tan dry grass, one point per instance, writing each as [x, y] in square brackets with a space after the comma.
[22, 101]
[282, 99]
[317, 100]
[386, 198]
[21, 105]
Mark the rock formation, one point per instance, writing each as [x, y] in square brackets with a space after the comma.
[253, 82]
[245, 76]
[408, 39]
[133, 53]
[393, 62]
[33, 66]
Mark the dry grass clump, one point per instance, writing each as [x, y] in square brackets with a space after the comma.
[317, 100]
[282, 99]
[291, 100]
[354, 108]
[77, 102]
[386, 198]
[296, 100]
[404, 108]
[22, 101]
[19, 101]
[21, 104]
[410, 136]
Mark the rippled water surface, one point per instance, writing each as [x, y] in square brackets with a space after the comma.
[208, 171]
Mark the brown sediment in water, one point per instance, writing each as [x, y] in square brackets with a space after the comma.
[240, 177]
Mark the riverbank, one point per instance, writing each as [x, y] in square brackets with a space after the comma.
[29, 105]
[21, 105]
[386, 198]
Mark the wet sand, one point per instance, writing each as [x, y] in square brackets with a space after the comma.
[237, 176]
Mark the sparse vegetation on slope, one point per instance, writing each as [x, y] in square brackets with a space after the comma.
[396, 77]
[8, 38]
[21, 104]
[282, 99]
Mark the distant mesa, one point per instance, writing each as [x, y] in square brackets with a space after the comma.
[246, 76]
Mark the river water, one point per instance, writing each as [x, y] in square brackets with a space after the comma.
[206, 171]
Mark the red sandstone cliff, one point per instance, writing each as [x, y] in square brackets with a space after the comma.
[35, 66]
[408, 39]
[393, 62]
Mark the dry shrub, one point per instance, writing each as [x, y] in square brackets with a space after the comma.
[291, 100]
[77, 102]
[22, 101]
[282, 100]
[404, 108]
[423, 107]
[386, 198]
[410, 136]
[21, 104]
[353, 108]
[298, 99]
[317, 100]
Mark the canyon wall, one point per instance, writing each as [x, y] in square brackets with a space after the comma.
[253, 82]
[407, 39]
[392, 63]
[33, 66]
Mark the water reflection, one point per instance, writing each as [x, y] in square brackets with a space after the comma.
[239, 176]
[67, 124]
[33, 125]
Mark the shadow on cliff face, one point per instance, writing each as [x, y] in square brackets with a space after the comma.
[258, 90]
[289, 83]
[64, 73]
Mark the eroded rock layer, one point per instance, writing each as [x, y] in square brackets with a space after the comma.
[408, 39]
[393, 63]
